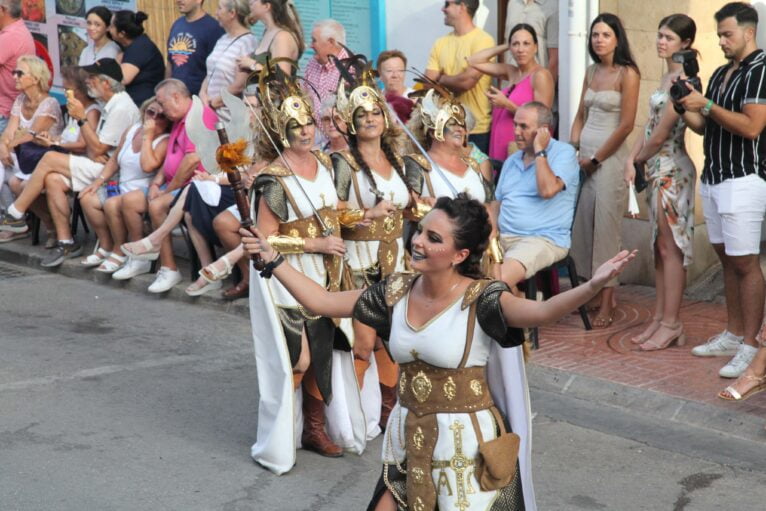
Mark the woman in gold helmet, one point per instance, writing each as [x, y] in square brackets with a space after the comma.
[295, 203]
[371, 184]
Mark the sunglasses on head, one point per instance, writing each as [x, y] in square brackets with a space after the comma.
[155, 114]
[18, 73]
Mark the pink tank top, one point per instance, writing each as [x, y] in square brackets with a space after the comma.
[501, 133]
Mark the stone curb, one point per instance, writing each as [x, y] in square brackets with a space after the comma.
[643, 402]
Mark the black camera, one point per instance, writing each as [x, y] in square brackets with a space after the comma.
[688, 58]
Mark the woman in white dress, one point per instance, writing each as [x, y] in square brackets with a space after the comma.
[300, 357]
[371, 184]
[100, 45]
[446, 445]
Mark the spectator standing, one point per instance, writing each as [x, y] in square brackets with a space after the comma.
[57, 173]
[602, 124]
[100, 46]
[528, 81]
[192, 37]
[535, 197]
[327, 38]
[447, 64]
[282, 35]
[222, 71]
[543, 16]
[392, 66]
[670, 195]
[15, 41]
[332, 126]
[731, 116]
[142, 63]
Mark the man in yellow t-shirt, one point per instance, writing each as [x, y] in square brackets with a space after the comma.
[447, 65]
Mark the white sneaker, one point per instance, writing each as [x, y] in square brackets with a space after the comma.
[739, 363]
[166, 279]
[724, 344]
[132, 268]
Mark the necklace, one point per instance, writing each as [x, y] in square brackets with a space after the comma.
[430, 301]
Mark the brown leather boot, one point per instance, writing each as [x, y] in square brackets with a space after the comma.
[314, 436]
[388, 395]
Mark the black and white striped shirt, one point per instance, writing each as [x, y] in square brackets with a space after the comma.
[728, 155]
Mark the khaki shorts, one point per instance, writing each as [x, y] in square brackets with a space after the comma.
[533, 252]
[84, 171]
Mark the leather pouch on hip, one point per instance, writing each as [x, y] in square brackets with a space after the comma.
[498, 459]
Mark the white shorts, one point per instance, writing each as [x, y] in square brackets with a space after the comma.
[734, 211]
[84, 171]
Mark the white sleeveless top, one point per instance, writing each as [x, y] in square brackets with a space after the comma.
[132, 176]
[364, 254]
[469, 183]
[322, 192]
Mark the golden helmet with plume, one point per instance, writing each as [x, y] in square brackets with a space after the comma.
[436, 108]
[357, 88]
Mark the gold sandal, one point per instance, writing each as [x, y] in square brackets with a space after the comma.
[734, 395]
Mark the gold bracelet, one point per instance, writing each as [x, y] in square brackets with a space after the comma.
[351, 217]
[287, 244]
[494, 251]
[419, 210]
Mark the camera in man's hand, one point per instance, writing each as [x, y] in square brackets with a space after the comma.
[679, 90]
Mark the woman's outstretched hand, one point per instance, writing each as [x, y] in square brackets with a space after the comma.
[255, 242]
[612, 268]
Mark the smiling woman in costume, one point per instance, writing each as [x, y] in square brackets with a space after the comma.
[446, 444]
[370, 181]
[295, 201]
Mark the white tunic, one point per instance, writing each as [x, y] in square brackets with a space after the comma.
[470, 182]
[321, 189]
[364, 254]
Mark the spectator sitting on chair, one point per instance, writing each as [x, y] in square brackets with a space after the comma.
[139, 155]
[181, 164]
[57, 173]
[33, 111]
[535, 197]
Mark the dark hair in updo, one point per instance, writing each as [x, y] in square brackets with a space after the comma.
[472, 229]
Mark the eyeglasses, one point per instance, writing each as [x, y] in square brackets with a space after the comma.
[155, 114]
[18, 73]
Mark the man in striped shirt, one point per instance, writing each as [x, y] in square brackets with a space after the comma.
[731, 116]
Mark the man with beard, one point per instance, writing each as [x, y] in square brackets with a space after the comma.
[58, 173]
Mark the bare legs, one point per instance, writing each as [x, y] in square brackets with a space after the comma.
[125, 217]
[227, 228]
[39, 207]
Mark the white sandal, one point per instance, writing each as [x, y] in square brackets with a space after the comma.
[149, 255]
[196, 290]
[112, 263]
[211, 273]
[96, 258]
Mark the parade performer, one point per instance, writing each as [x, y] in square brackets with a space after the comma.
[370, 181]
[447, 444]
[295, 201]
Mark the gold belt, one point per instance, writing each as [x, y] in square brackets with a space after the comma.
[309, 228]
[387, 231]
[425, 389]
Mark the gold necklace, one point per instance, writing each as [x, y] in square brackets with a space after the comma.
[430, 301]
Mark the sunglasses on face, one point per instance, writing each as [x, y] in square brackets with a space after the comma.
[155, 114]
[18, 73]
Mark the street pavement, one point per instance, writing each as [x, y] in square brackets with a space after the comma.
[116, 400]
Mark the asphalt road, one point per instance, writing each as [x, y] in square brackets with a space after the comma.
[111, 400]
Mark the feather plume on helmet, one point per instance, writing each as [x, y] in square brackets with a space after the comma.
[434, 109]
[283, 99]
[357, 88]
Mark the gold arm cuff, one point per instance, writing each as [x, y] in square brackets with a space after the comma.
[351, 217]
[287, 244]
[419, 210]
[495, 251]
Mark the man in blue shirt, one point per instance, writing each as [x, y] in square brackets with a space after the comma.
[192, 38]
[535, 197]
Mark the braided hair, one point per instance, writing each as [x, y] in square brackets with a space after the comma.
[471, 230]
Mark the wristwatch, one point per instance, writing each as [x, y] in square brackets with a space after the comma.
[80, 122]
[595, 161]
[542, 153]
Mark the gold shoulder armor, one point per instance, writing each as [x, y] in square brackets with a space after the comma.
[420, 160]
[276, 169]
[324, 159]
[397, 286]
[473, 292]
[473, 164]
[346, 155]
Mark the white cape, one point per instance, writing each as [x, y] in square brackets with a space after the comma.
[279, 418]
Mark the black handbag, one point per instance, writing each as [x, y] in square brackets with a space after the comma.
[640, 181]
[29, 155]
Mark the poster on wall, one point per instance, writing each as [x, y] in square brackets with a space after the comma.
[59, 27]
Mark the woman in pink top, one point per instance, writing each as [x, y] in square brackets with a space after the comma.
[529, 81]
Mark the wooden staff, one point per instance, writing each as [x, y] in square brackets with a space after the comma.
[227, 163]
